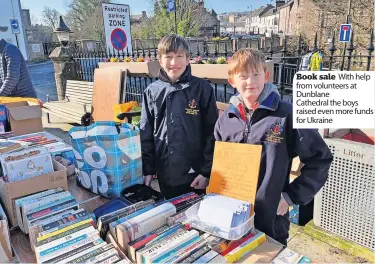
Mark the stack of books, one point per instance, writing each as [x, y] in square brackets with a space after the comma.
[35, 212]
[150, 232]
[61, 232]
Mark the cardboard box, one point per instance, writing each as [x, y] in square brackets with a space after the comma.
[24, 117]
[6, 253]
[11, 191]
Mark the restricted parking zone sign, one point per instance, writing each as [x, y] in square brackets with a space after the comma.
[117, 27]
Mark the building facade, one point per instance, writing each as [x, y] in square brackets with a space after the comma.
[11, 9]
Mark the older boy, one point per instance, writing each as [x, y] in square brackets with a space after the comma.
[258, 116]
[177, 124]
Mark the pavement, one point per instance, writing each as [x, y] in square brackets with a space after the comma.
[43, 76]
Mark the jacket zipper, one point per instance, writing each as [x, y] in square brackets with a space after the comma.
[248, 124]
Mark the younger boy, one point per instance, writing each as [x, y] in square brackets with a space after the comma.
[258, 116]
[178, 118]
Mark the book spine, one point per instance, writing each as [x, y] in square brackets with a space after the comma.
[152, 240]
[156, 245]
[171, 252]
[75, 250]
[91, 254]
[186, 251]
[54, 217]
[170, 244]
[57, 228]
[50, 210]
[200, 252]
[65, 234]
[87, 221]
[206, 257]
[74, 244]
[64, 209]
[245, 248]
[82, 253]
[65, 244]
[50, 203]
[102, 257]
[112, 259]
[64, 239]
[144, 223]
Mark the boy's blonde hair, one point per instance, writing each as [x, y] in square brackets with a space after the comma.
[247, 58]
[172, 43]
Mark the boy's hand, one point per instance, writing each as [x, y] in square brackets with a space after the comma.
[200, 182]
[148, 179]
[283, 207]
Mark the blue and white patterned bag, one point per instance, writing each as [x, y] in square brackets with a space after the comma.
[108, 157]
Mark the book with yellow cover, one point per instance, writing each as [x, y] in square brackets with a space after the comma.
[245, 248]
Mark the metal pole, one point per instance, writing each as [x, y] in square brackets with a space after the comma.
[175, 17]
[347, 22]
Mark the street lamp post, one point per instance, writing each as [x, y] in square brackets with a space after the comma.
[62, 59]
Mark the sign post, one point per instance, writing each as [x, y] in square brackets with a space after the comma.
[117, 27]
[15, 26]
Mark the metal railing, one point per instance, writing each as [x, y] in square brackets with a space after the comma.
[285, 63]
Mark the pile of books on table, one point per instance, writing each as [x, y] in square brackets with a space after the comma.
[160, 232]
[59, 231]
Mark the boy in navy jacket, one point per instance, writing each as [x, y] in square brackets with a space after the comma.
[177, 125]
[257, 115]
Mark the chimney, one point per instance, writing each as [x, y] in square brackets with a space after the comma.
[279, 3]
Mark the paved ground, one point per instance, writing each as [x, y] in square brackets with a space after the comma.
[43, 76]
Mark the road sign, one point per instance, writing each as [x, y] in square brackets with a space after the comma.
[118, 39]
[117, 27]
[171, 5]
[345, 32]
[15, 26]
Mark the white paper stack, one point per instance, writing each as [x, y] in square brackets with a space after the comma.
[223, 213]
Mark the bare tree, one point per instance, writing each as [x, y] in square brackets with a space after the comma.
[85, 18]
[50, 17]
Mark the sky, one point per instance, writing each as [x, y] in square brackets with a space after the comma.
[137, 6]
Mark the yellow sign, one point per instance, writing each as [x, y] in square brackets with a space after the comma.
[235, 171]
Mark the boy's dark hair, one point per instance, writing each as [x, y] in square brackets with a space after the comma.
[172, 43]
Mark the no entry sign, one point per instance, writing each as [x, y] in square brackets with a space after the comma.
[117, 27]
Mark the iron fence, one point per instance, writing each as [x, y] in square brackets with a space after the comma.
[286, 64]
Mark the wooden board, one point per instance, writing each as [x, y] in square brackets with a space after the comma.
[107, 90]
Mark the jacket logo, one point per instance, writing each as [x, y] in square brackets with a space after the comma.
[274, 133]
[191, 110]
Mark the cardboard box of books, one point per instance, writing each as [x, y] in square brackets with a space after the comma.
[24, 117]
[13, 190]
[5, 248]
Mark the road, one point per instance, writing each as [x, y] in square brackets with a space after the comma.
[43, 76]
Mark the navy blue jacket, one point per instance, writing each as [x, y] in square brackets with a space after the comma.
[271, 126]
[177, 128]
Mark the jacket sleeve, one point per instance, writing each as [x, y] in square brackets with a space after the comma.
[13, 64]
[217, 131]
[314, 153]
[209, 117]
[147, 135]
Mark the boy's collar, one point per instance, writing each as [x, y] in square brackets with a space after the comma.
[184, 78]
[270, 101]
